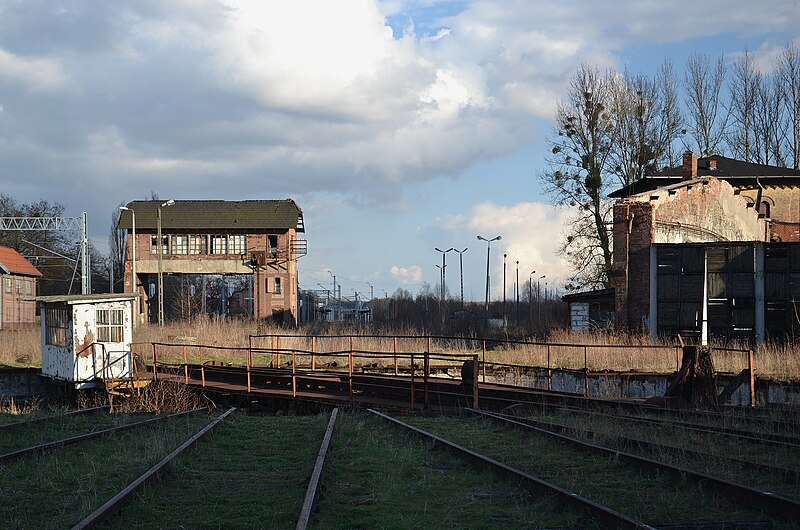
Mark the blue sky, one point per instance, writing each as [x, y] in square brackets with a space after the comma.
[398, 126]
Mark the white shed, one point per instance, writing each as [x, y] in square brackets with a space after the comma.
[87, 337]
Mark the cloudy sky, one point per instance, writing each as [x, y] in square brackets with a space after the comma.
[398, 126]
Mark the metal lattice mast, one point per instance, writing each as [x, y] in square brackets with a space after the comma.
[62, 224]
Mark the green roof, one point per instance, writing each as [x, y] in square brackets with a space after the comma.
[215, 215]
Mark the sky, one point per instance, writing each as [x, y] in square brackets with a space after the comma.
[397, 126]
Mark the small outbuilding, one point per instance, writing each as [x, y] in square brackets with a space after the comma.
[591, 309]
[87, 337]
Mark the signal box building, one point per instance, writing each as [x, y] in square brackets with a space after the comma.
[257, 238]
[17, 286]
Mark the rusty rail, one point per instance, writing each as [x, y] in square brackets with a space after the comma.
[113, 504]
[607, 516]
[311, 493]
[89, 436]
[51, 417]
[791, 474]
[759, 499]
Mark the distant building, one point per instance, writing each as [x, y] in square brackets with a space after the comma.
[591, 309]
[258, 237]
[17, 287]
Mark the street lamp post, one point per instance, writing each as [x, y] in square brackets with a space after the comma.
[517, 318]
[461, 271]
[133, 261]
[160, 266]
[488, 247]
[505, 313]
[539, 297]
[444, 268]
[530, 299]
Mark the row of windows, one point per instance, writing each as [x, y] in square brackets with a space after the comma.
[28, 286]
[200, 244]
[110, 326]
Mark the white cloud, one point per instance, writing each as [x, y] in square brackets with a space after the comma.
[411, 275]
[530, 233]
[36, 74]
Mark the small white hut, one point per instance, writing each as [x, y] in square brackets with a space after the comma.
[87, 337]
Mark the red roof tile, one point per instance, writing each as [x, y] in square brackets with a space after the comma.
[14, 263]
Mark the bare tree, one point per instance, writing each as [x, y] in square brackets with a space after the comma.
[707, 116]
[788, 72]
[635, 109]
[117, 248]
[744, 91]
[769, 124]
[584, 135]
[672, 120]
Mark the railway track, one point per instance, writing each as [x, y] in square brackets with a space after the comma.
[624, 482]
[50, 418]
[92, 435]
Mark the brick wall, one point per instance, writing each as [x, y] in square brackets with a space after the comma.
[634, 232]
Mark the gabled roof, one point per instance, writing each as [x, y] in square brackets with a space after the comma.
[736, 172]
[11, 262]
[215, 215]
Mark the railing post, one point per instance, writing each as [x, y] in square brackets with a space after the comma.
[272, 351]
[155, 365]
[294, 377]
[483, 367]
[475, 404]
[751, 365]
[412, 381]
[249, 364]
[585, 371]
[313, 353]
[185, 365]
[279, 352]
[350, 371]
[395, 354]
[677, 359]
[549, 371]
[202, 368]
[425, 372]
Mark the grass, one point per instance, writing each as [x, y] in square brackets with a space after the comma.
[58, 489]
[252, 473]
[653, 498]
[379, 477]
[227, 342]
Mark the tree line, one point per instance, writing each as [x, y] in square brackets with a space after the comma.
[615, 127]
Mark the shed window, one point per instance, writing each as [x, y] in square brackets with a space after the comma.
[57, 326]
[109, 325]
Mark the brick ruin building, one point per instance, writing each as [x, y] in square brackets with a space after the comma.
[709, 248]
[258, 238]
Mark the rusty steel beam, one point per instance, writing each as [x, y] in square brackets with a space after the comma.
[609, 517]
[760, 499]
[89, 436]
[311, 493]
[51, 417]
[114, 503]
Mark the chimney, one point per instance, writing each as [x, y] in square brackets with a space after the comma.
[689, 165]
[712, 165]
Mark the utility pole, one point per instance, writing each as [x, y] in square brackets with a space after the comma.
[517, 319]
[461, 272]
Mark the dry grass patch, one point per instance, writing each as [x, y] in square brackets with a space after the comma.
[20, 347]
